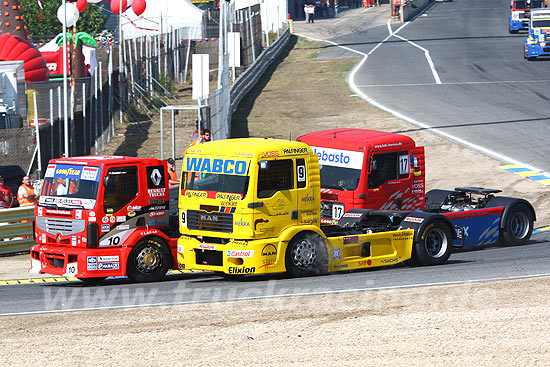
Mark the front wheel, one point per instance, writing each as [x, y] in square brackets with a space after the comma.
[434, 245]
[518, 225]
[149, 260]
[306, 255]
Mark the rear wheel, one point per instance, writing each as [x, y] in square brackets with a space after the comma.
[306, 255]
[149, 260]
[434, 245]
[518, 225]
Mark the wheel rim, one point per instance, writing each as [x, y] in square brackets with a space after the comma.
[148, 259]
[436, 242]
[304, 254]
[519, 225]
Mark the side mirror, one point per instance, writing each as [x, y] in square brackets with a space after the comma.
[106, 181]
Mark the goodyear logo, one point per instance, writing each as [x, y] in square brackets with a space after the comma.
[226, 166]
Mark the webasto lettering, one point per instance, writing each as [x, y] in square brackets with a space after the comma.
[336, 158]
[227, 166]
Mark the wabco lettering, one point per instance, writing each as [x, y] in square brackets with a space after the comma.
[226, 166]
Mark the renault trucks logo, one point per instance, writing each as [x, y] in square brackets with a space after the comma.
[156, 177]
[339, 158]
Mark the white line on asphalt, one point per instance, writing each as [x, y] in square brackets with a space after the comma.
[298, 294]
[428, 57]
[454, 83]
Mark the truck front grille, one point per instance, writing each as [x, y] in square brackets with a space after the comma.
[208, 257]
[59, 225]
[218, 222]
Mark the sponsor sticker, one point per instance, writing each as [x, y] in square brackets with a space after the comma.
[112, 219]
[225, 166]
[352, 215]
[413, 219]
[204, 246]
[239, 253]
[121, 218]
[92, 263]
[105, 228]
[339, 158]
[154, 193]
[105, 220]
[336, 253]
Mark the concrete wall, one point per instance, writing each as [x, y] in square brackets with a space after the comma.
[408, 11]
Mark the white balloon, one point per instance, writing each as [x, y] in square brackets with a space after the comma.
[72, 14]
[129, 2]
[94, 1]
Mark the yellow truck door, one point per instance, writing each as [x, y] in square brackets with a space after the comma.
[275, 198]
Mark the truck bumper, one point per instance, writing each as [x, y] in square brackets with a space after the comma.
[79, 262]
[236, 257]
[517, 25]
[536, 50]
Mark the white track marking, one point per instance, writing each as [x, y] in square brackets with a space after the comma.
[428, 57]
[297, 294]
[454, 83]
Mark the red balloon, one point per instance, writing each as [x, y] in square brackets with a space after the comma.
[16, 48]
[138, 6]
[81, 5]
[115, 6]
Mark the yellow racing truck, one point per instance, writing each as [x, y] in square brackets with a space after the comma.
[252, 206]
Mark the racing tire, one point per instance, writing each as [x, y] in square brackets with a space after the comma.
[93, 281]
[149, 260]
[306, 255]
[518, 226]
[434, 245]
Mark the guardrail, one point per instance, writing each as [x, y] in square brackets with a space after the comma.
[16, 236]
[250, 77]
[409, 10]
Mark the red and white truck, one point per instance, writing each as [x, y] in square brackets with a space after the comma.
[102, 216]
[370, 169]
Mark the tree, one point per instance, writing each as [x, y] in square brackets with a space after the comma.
[48, 26]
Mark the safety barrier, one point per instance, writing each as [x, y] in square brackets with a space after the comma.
[412, 8]
[16, 236]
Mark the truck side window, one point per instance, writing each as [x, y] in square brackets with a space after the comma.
[276, 177]
[121, 187]
[388, 167]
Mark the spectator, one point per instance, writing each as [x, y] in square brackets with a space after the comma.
[309, 9]
[173, 180]
[205, 136]
[396, 4]
[6, 196]
[336, 7]
[25, 193]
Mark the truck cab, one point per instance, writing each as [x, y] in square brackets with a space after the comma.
[367, 169]
[101, 216]
[538, 42]
[521, 13]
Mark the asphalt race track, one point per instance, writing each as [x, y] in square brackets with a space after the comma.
[495, 263]
[455, 68]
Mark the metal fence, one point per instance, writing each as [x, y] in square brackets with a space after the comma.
[16, 230]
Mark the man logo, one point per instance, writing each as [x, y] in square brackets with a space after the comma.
[269, 250]
[156, 177]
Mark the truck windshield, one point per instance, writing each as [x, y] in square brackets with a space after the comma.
[216, 182]
[70, 186]
[339, 178]
[526, 4]
[541, 23]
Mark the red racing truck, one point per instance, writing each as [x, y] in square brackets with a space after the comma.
[370, 169]
[102, 216]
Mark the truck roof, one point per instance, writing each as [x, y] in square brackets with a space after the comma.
[540, 13]
[357, 139]
[250, 147]
[101, 160]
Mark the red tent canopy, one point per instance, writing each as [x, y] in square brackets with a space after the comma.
[15, 48]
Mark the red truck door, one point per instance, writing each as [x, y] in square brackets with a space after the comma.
[396, 180]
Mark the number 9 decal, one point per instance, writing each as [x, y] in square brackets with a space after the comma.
[301, 170]
[183, 219]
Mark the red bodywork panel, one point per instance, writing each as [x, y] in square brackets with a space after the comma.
[396, 179]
